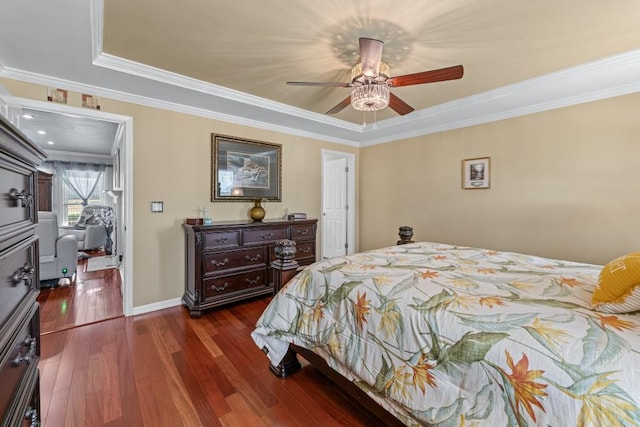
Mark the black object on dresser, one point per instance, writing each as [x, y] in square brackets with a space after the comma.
[229, 261]
[19, 279]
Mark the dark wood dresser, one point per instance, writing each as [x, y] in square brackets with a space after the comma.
[45, 187]
[229, 261]
[19, 279]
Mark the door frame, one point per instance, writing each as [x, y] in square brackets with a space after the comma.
[328, 155]
[125, 144]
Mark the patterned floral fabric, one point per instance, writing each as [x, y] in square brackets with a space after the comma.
[454, 336]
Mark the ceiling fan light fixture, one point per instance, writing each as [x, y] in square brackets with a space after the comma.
[370, 97]
[358, 75]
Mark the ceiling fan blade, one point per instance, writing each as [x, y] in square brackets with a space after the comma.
[370, 56]
[443, 74]
[334, 84]
[344, 103]
[399, 106]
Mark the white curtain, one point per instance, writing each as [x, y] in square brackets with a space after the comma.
[81, 177]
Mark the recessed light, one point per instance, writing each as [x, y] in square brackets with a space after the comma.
[27, 116]
[41, 132]
[50, 142]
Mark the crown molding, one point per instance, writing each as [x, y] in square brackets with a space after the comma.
[68, 154]
[96, 12]
[597, 80]
[36, 78]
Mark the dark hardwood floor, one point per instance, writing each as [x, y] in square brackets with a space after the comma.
[166, 369]
[92, 297]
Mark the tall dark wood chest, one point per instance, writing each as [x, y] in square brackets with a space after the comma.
[229, 261]
[45, 187]
[19, 279]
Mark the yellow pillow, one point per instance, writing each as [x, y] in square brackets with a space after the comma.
[618, 289]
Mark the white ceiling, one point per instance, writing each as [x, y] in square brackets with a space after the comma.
[68, 132]
[230, 60]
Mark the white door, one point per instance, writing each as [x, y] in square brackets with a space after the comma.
[335, 209]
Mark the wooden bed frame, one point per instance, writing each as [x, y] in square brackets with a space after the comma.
[290, 365]
[284, 270]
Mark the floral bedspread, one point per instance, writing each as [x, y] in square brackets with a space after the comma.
[453, 336]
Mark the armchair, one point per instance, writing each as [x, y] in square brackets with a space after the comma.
[93, 228]
[58, 254]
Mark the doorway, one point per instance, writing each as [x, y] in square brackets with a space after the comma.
[338, 204]
[121, 152]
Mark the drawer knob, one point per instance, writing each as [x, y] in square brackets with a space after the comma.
[266, 236]
[219, 288]
[306, 250]
[303, 232]
[23, 274]
[250, 258]
[32, 416]
[219, 264]
[30, 342]
[252, 282]
[27, 358]
[23, 198]
[222, 240]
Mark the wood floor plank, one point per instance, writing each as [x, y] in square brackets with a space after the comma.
[91, 297]
[167, 369]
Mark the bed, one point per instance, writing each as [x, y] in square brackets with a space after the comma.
[447, 335]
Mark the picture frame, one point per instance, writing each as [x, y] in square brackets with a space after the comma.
[245, 169]
[57, 95]
[476, 173]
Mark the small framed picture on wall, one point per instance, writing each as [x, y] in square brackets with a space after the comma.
[476, 173]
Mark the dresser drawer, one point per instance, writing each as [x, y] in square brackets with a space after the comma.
[233, 283]
[30, 415]
[303, 231]
[214, 262]
[17, 277]
[17, 208]
[22, 356]
[264, 235]
[305, 250]
[222, 239]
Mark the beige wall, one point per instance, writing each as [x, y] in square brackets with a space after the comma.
[172, 161]
[564, 184]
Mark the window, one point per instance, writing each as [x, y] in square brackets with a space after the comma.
[72, 202]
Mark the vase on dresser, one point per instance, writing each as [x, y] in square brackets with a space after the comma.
[257, 212]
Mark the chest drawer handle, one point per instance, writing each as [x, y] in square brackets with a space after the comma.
[219, 264]
[222, 240]
[23, 274]
[266, 236]
[27, 358]
[220, 288]
[305, 251]
[24, 199]
[303, 232]
[32, 415]
[252, 282]
[255, 258]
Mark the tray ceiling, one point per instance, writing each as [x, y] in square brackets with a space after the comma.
[230, 60]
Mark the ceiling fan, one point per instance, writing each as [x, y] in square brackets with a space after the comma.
[371, 80]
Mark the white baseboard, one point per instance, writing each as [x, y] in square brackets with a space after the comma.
[161, 305]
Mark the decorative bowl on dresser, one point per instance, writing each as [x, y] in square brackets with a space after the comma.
[229, 261]
[19, 279]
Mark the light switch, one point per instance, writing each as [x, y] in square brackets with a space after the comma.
[157, 207]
